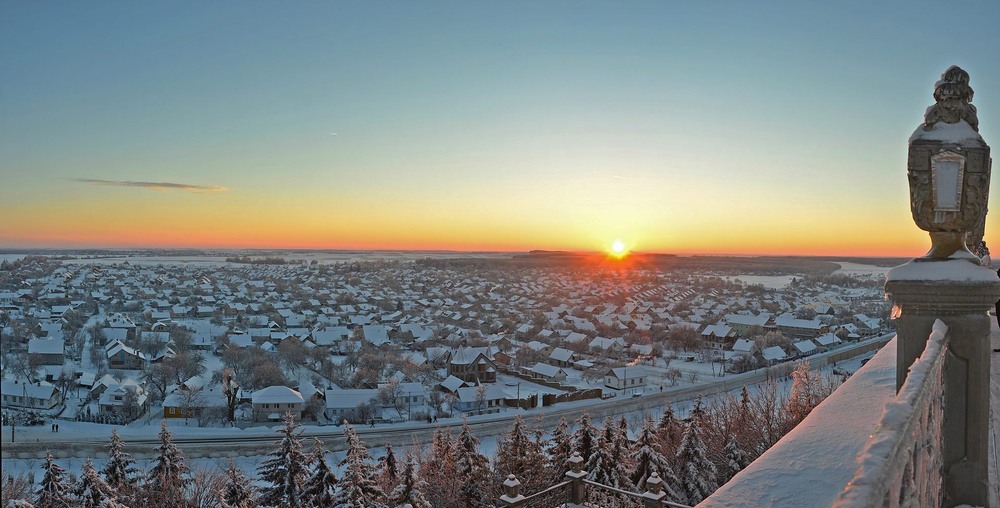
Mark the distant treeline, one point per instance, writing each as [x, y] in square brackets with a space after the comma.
[267, 260]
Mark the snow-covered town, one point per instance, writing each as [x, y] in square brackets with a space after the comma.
[385, 342]
[230, 350]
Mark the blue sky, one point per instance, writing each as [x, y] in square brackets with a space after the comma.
[477, 125]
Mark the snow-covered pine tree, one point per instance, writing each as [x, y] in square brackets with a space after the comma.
[622, 445]
[520, 455]
[669, 431]
[411, 487]
[602, 466]
[91, 490]
[559, 450]
[237, 491]
[474, 468]
[439, 470]
[736, 459]
[52, 492]
[166, 480]
[321, 486]
[285, 470]
[388, 469]
[357, 487]
[119, 472]
[19, 503]
[585, 437]
[697, 473]
[649, 457]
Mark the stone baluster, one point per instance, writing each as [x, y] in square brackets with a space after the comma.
[577, 489]
[654, 491]
[512, 492]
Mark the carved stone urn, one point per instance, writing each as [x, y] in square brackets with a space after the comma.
[949, 171]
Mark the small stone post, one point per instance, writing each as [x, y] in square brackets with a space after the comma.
[512, 492]
[577, 489]
[654, 491]
[949, 172]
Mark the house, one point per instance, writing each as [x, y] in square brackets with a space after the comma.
[561, 357]
[121, 356]
[621, 378]
[376, 335]
[192, 403]
[799, 328]
[805, 347]
[47, 351]
[604, 344]
[472, 364]
[468, 399]
[451, 384]
[773, 354]
[718, 336]
[547, 372]
[36, 396]
[745, 325]
[745, 346]
[270, 404]
[340, 403]
[126, 399]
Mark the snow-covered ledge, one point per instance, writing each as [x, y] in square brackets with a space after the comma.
[813, 463]
[902, 460]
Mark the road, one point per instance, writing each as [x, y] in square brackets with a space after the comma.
[243, 443]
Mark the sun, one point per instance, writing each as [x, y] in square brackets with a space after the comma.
[618, 249]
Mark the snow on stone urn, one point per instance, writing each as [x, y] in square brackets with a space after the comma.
[948, 168]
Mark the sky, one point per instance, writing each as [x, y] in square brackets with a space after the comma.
[678, 127]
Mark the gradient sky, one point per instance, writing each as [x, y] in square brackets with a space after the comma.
[709, 127]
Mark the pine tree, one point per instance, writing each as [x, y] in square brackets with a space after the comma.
[649, 457]
[697, 473]
[411, 487]
[237, 492]
[319, 489]
[520, 455]
[119, 472]
[439, 470]
[669, 431]
[358, 488]
[388, 470]
[285, 470]
[736, 459]
[166, 480]
[92, 490]
[585, 437]
[621, 445]
[602, 466]
[52, 492]
[560, 449]
[473, 467]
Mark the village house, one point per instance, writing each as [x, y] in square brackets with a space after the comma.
[121, 356]
[473, 364]
[47, 351]
[621, 378]
[35, 396]
[271, 403]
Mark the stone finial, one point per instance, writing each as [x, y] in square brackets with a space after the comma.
[654, 484]
[953, 97]
[511, 486]
[575, 462]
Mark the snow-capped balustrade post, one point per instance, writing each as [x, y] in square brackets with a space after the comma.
[949, 170]
[654, 491]
[512, 492]
[578, 490]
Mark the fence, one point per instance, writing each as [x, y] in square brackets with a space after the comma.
[580, 491]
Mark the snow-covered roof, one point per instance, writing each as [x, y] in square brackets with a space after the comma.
[773, 353]
[276, 395]
[546, 370]
[46, 346]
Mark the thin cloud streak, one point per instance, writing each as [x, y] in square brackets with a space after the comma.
[157, 186]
